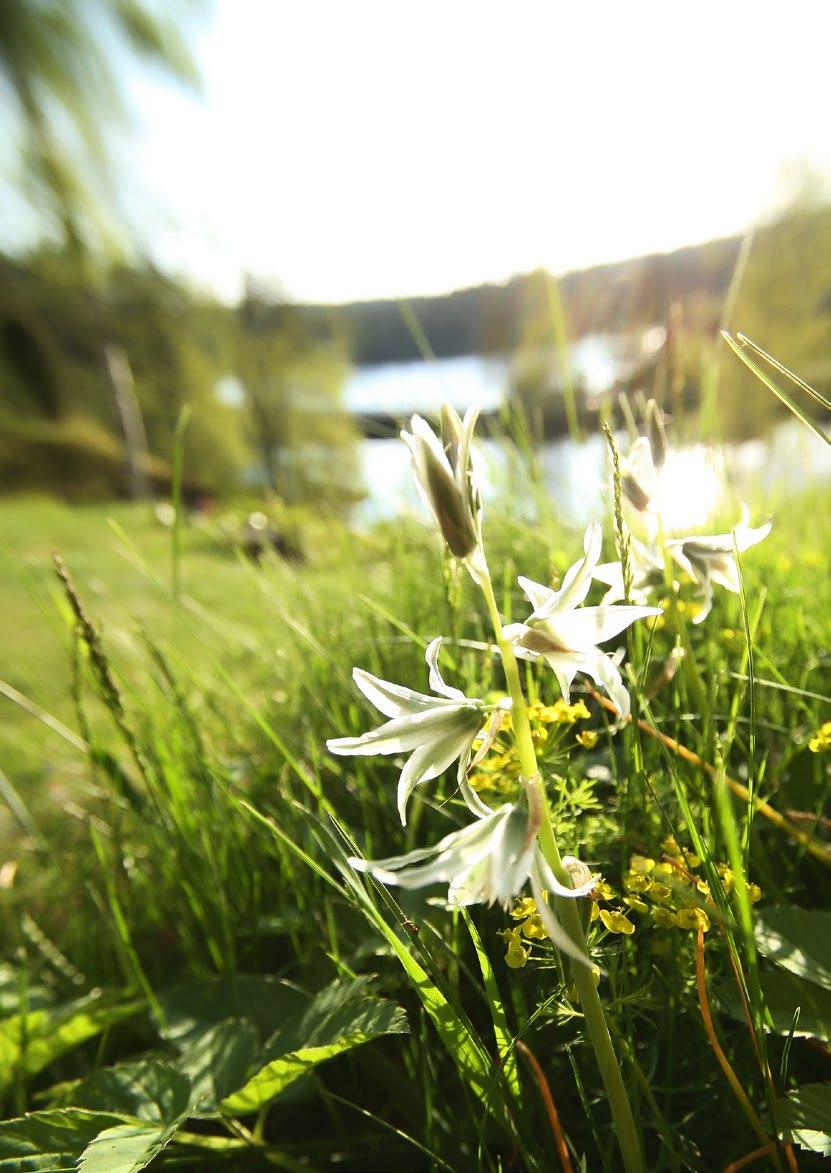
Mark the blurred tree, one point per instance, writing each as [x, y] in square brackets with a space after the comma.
[292, 380]
[56, 61]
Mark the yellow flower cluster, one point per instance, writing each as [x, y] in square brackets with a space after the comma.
[666, 889]
[821, 741]
[531, 929]
[501, 768]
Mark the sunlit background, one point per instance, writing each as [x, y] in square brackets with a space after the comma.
[196, 195]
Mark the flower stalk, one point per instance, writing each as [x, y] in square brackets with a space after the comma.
[567, 910]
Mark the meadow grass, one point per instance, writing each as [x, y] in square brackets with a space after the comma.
[180, 917]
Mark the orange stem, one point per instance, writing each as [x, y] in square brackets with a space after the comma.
[817, 850]
[723, 1061]
[548, 1100]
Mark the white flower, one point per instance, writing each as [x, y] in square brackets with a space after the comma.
[566, 635]
[487, 861]
[438, 729]
[709, 560]
[444, 476]
[647, 572]
[639, 481]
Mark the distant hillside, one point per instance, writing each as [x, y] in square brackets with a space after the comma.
[493, 318]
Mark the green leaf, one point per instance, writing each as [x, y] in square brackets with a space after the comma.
[799, 940]
[501, 1030]
[122, 1118]
[126, 1148]
[187, 1012]
[784, 993]
[340, 1018]
[219, 1061]
[44, 1140]
[29, 1042]
[804, 1117]
[151, 1090]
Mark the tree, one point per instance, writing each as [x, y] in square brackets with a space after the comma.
[64, 85]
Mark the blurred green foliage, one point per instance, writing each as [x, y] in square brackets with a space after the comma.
[57, 402]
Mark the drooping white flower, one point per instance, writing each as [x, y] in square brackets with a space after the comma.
[488, 861]
[437, 729]
[566, 635]
[709, 560]
[639, 481]
[647, 569]
[445, 478]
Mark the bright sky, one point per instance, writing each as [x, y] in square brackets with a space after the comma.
[352, 149]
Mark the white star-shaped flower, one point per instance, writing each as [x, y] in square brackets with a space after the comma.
[435, 730]
[566, 635]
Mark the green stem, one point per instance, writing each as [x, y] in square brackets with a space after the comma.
[567, 910]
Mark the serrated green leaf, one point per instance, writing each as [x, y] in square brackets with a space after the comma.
[29, 1042]
[784, 993]
[42, 1140]
[126, 1148]
[189, 1011]
[340, 1018]
[150, 1090]
[804, 1117]
[797, 939]
[219, 1061]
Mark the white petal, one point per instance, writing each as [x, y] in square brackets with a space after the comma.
[576, 582]
[640, 466]
[747, 537]
[589, 626]
[428, 761]
[565, 668]
[602, 671]
[436, 682]
[393, 700]
[511, 855]
[406, 733]
[552, 926]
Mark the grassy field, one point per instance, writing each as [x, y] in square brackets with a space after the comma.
[184, 937]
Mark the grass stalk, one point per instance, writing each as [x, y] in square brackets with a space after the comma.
[583, 976]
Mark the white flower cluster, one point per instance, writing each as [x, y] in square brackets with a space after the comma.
[707, 560]
[492, 858]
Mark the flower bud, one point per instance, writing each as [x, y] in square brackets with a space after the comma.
[443, 475]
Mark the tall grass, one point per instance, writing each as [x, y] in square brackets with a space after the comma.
[192, 838]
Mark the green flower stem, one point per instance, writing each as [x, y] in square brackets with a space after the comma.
[567, 910]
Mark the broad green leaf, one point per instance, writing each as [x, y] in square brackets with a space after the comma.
[804, 1117]
[46, 1140]
[784, 993]
[30, 1042]
[340, 1017]
[150, 1090]
[189, 1011]
[799, 940]
[37, 997]
[220, 1060]
[126, 1148]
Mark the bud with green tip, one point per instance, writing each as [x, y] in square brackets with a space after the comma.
[444, 477]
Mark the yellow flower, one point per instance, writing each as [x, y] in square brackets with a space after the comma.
[692, 918]
[641, 864]
[533, 929]
[664, 917]
[616, 922]
[821, 741]
[660, 892]
[588, 738]
[517, 954]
